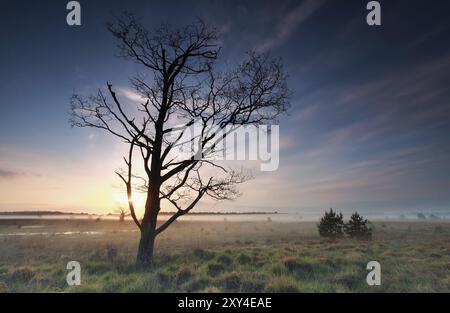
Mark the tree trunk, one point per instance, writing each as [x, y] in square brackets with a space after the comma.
[146, 244]
[148, 229]
[152, 205]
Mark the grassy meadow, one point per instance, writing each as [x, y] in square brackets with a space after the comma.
[222, 257]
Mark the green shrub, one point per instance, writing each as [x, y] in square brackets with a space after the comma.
[358, 228]
[421, 216]
[331, 225]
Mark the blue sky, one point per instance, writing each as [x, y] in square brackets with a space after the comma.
[368, 128]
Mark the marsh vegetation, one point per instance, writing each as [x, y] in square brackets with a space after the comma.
[222, 257]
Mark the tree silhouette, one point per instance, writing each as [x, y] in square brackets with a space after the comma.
[358, 227]
[180, 87]
[122, 212]
[331, 225]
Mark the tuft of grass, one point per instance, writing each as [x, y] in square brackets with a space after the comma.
[22, 275]
[183, 274]
[224, 259]
[414, 261]
[116, 283]
[244, 259]
[215, 268]
[350, 279]
[163, 276]
[282, 284]
[290, 263]
[84, 289]
[211, 290]
[253, 283]
[97, 267]
[203, 254]
[232, 281]
[196, 284]
[278, 269]
[3, 287]
[111, 252]
[150, 283]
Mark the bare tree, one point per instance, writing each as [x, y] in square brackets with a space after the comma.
[180, 86]
[122, 212]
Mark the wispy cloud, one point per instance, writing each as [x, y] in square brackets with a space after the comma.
[130, 94]
[10, 174]
[6, 174]
[289, 24]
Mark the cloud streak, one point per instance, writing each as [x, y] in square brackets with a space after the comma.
[7, 174]
[290, 23]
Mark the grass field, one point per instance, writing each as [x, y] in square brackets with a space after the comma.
[222, 257]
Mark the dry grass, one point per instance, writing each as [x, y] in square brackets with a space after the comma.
[233, 256]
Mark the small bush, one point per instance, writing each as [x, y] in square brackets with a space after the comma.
[183, 275]
[215, 268]
[331, 225]
[421, 216]
[244, 259]
[358, 228]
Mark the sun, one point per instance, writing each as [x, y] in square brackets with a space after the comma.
[120, 198]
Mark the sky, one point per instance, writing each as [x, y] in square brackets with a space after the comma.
[368, 127]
